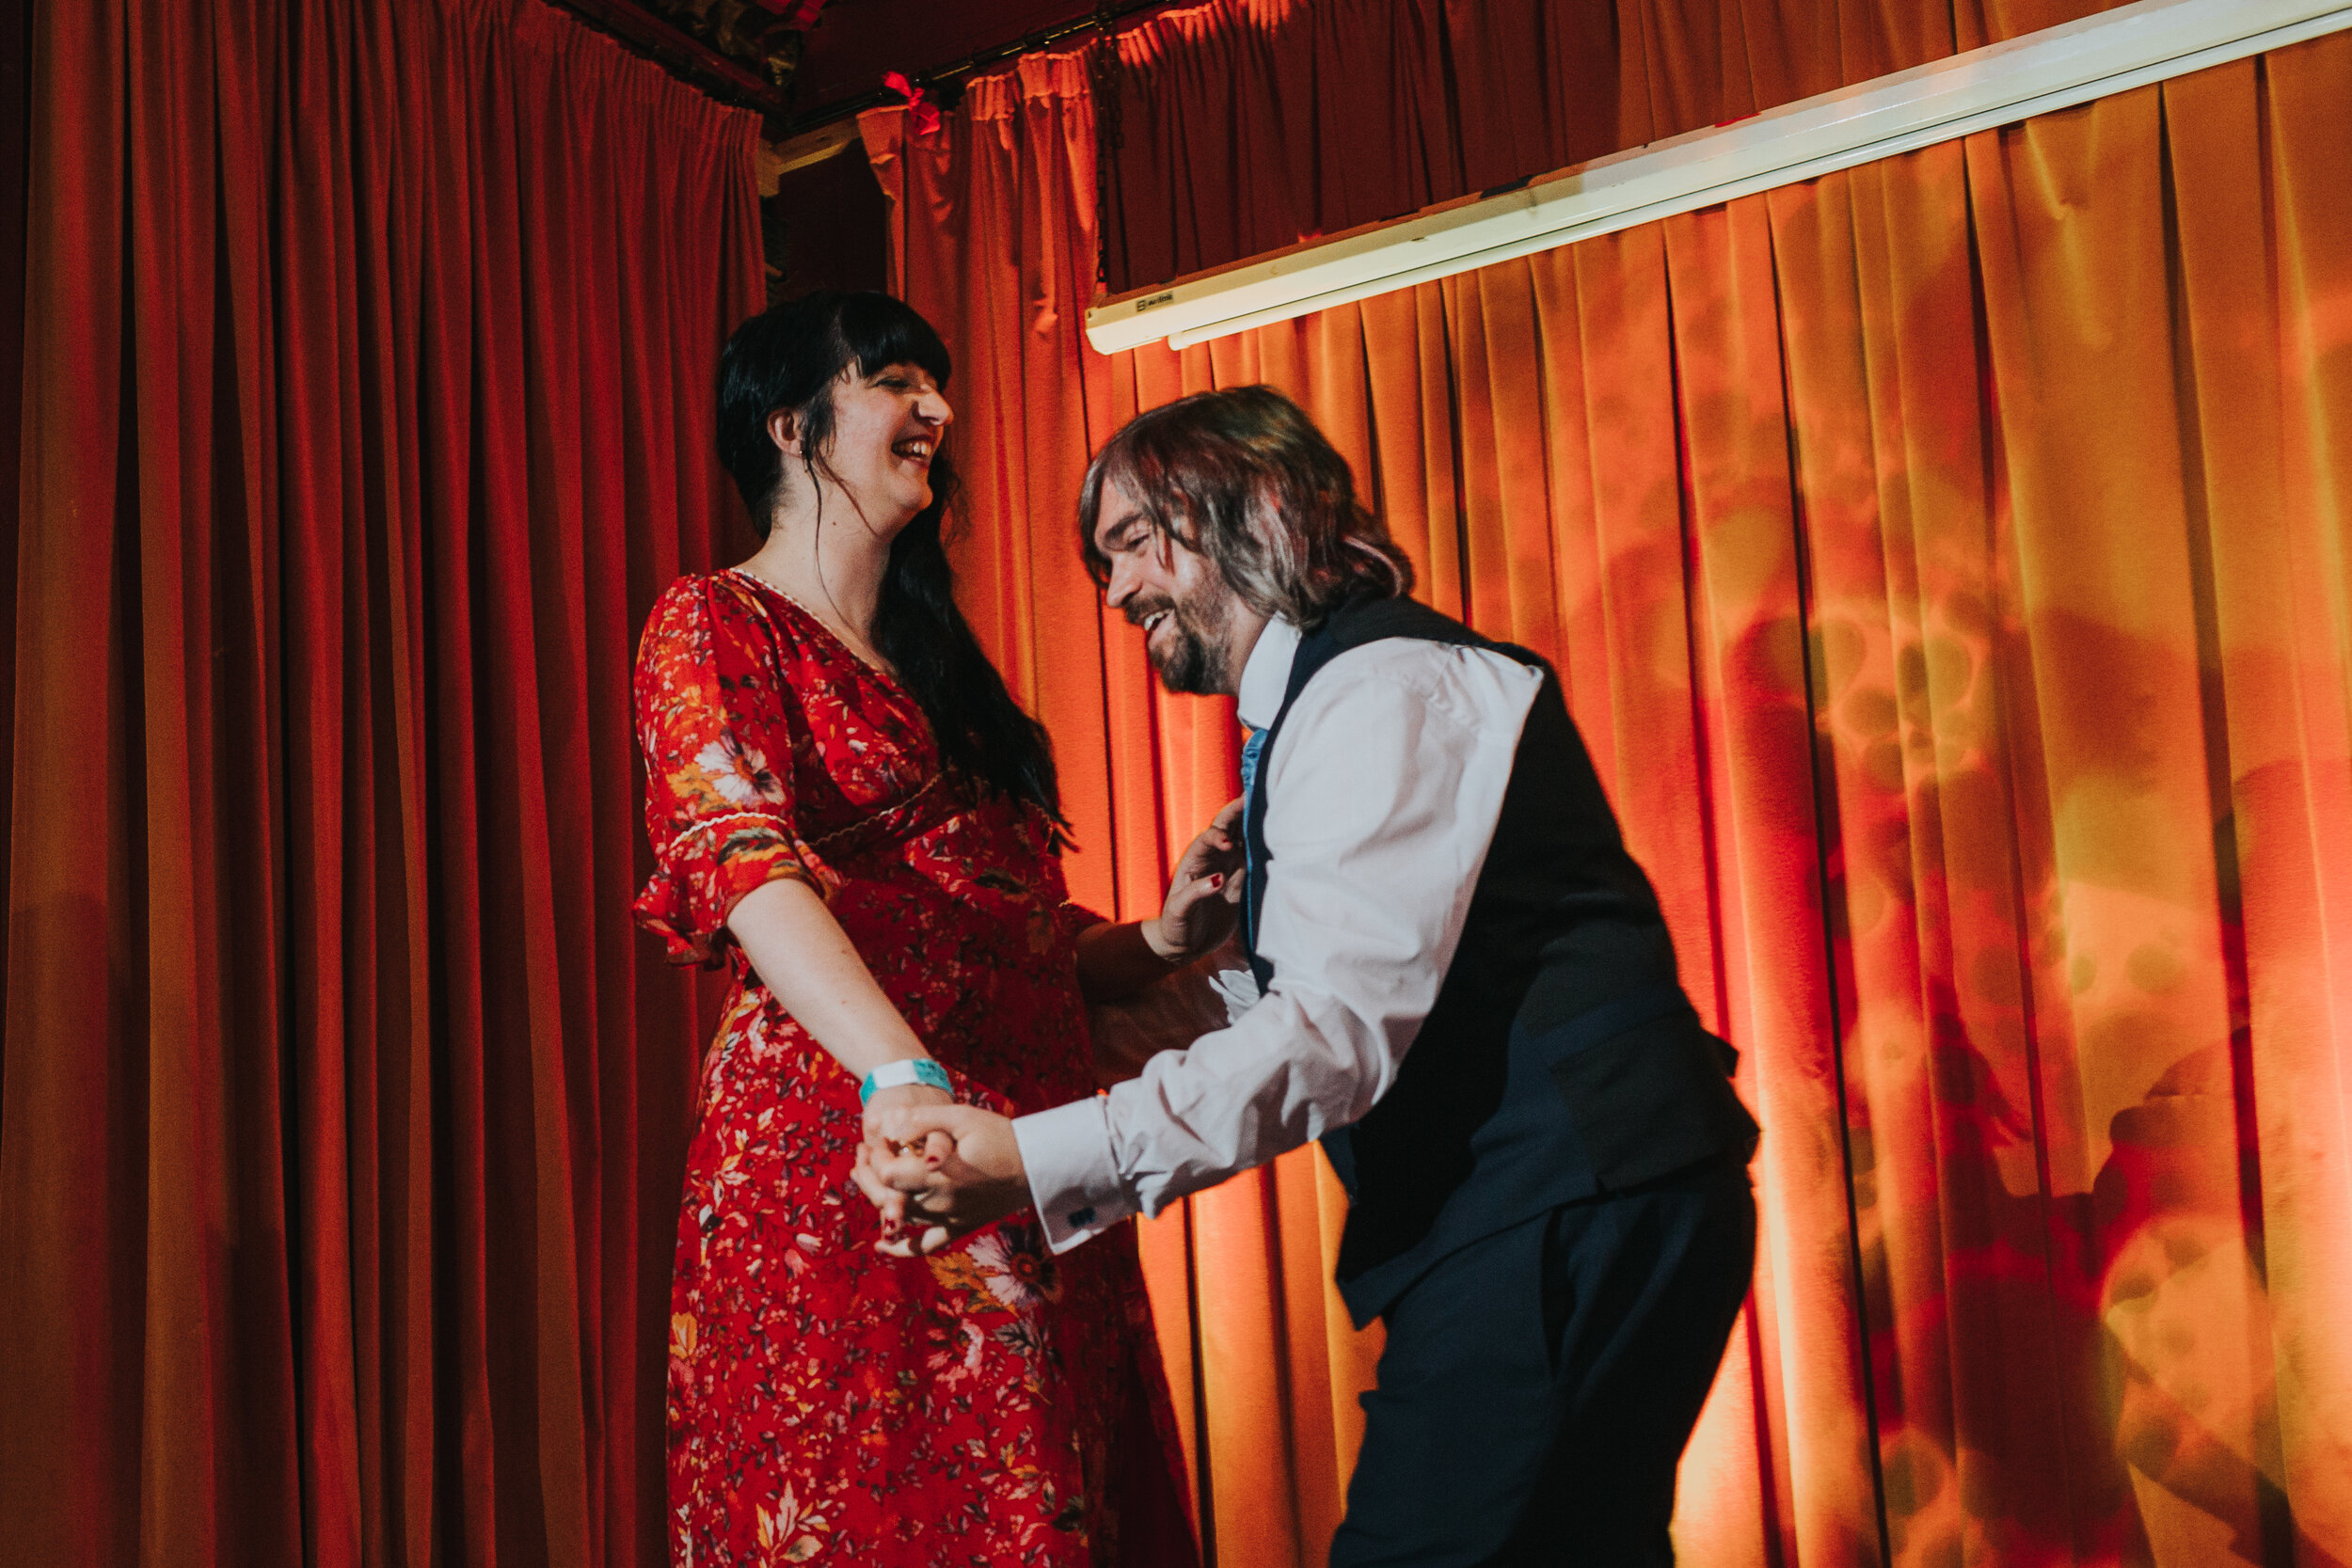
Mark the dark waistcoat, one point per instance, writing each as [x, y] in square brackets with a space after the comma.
[1561, 1059]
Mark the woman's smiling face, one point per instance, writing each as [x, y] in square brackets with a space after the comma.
[887, 424]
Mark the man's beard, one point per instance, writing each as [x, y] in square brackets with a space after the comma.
[1184, 654]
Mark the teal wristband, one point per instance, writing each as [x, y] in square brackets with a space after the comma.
[898, 1075]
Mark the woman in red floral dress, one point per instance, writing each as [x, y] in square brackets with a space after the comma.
[848, 810]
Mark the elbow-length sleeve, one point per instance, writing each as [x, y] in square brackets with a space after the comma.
[717, 748]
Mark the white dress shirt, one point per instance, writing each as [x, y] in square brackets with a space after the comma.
[1382, 797]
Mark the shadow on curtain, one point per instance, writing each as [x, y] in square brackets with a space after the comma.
[1946, 561]
[366, 375]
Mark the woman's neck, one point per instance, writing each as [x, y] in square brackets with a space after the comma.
[833, 570]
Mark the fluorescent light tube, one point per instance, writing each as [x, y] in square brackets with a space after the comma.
[2054, 69]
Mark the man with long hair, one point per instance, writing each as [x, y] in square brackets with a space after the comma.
[1451, 972]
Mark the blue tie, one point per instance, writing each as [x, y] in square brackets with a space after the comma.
[1250, 748]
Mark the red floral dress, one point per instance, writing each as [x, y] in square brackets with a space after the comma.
[990, 1403]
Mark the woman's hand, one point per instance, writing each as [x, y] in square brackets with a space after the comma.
[1203, 893]
[1116, 961]
[907, 1097]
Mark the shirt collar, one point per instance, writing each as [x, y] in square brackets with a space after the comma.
[1266, 676]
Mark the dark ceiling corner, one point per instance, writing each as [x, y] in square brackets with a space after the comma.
[746, 52]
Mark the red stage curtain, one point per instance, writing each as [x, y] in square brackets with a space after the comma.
[366, 383]
[1948, 563]
[1247, 125]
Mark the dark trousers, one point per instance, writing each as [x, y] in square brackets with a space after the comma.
[1538, 1385]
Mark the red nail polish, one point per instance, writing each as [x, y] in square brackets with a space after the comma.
[1217, 879]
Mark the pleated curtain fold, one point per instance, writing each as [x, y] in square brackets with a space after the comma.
[1242, 126]
[366, 366]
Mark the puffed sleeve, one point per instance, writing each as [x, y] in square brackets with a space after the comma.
[718, 807]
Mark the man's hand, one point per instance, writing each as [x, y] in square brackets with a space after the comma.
[1202, 893]
[928, 1195]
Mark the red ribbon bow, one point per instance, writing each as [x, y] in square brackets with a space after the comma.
[920, 109]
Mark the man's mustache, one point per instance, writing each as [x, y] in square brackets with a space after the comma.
[1137, 612]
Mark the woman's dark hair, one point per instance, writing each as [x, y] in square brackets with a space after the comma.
[1243, 477]
[791, 356]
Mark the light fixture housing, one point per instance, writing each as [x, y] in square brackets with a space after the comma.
[2053, 69]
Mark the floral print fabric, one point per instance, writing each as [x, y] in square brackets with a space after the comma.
[988, 1404]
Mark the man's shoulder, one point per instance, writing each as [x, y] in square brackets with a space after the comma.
[1471, 682]
[1367, 619]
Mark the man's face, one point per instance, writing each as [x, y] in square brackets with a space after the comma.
[1195, 630]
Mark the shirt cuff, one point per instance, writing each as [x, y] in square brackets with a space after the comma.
[1073, 1178]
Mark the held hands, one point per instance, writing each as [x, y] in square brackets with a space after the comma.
[908, 1097]
[1203, 893]
[937, 1172]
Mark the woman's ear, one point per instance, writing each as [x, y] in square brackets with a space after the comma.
[784, 429]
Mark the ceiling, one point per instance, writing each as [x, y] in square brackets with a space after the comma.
[824, 57]
[855, 42]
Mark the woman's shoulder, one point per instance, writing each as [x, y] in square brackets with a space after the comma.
[691, 620]
[727, 620]
[722, 587]
[696, 602]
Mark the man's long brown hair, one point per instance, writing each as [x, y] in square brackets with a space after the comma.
[1243, 477]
